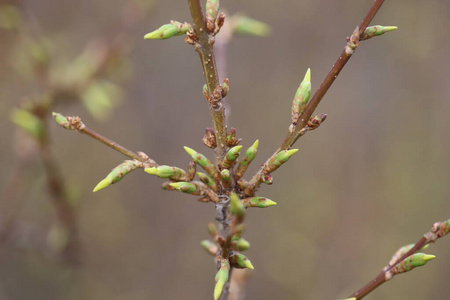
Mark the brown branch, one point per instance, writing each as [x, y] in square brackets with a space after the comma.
[438, 230]
[204, 47]
[343, 58]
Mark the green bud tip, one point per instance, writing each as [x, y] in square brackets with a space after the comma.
[270, 202]
[102, 184]
[248, 265]
[428, 257]
[291, 152]
[255, 144]
[177, 185]
[152, 171]
[390, 28]
[190, 151]
[307, 76]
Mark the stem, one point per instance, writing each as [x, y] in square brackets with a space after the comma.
[343, 58]
[204, 48]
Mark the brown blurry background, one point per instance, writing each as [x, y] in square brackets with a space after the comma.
[374, 177]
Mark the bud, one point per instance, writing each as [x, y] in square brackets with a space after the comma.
[209, 246]
[315, 122]
[221, 278]
[279, 159]
[191, 171]
[226, 179]
[376, 30]
[301, 98]
[241, 245]
[163, 171]
[212, 9]
[117, 174]
[260, 202]
[242, 184]
[231, 138]
[249, 156]
[169, 30]
[230, 159]
[266, 178]
[236, 206]
[409, 263]
[225, 87]
[240, 261]
[187, 187]
[247, 26]
[206, 179]
[61, 120]
[205, 163]
[403, 250]
[209, 139]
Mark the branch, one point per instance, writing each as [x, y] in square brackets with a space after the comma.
[204, 47]
[343, 58]
[75, 123]
[438, 230]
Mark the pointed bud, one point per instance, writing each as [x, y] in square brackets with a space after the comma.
[205, 163]
[279, 159]
[29, 122]
[226, 179]
[187, 187]
[117, 174]
[301, 98]
[225, 87]
[236, 206]
[438, 230]
[169, 30]
[230, 159]
[231, 139]
[240, 261]
[61, 120]
[209, 139]
[249, 156]
[163, 171]
[221, 278]
[241, 245]
[209, 246]
[315, 121]
[411, 262]
[403, 250]
[376, 30]
[212, 9]
[247, 26]
[260, 202]
[206, 179]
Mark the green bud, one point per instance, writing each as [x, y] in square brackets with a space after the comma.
[249, 156]
[266, 178]
[231, 139]
[117, 174]
[212, 9]
[221, 278]
[260, 202]
[169, 30]
[61, 120]
[205, 163]
[226, 179]
[403, 250]
[241, 245]
[279, 159]
[209, 246]
[206, 179]
[376, 30]
[236, 206]
[247, 26]
[225, 87]
[411, 262]
[163, 171]
[191, 171]
[29, 122]
[230, 159]
[186, 187]
[240, 261]
[301, 97]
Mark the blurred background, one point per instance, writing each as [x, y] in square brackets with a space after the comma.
[375, 176]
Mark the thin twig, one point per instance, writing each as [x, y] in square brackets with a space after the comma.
[204, 47]
[438, 230]
[343, 58]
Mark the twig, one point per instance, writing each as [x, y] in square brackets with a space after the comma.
[438, 230]
[343, 58]
[204, 47]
